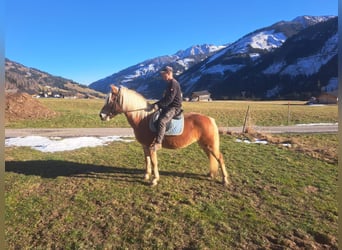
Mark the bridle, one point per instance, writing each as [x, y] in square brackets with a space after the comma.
[112, 103]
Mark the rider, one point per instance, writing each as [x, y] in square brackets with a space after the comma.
[170, 105]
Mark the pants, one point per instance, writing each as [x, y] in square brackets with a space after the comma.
[165, 116]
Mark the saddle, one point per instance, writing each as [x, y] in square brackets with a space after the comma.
[173, 127]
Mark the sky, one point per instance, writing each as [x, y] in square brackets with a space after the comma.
[86, 40]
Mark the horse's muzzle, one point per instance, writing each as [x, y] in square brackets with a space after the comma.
[104, 117]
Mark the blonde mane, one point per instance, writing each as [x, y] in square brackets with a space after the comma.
[132, 101]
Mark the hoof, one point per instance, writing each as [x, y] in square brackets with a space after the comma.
[146, 177]
[154, 182]
[225, 182]
[211, 176]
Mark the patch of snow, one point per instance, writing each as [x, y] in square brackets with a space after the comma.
[274, 68]
[317, 124]
[213, 48]
[245, 141]
[218, 54]
[198, 49]
[304, 66]
[331, 45]
[264, 40]
[315, 105]
[220, 69]
[57, 144]
[140, 72]
[332, 84]
[256, 141]
[254, 56]
[268, 40]
[273, 92]
[127, 80]
[310, 20]
[312, 64]
[193, 80]
[185, 62]
[189, 83]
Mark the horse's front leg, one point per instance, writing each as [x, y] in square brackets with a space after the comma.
[148, 168]
[154, 161]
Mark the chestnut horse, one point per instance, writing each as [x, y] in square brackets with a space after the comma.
[197, 128]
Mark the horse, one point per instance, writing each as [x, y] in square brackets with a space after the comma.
[197, 128]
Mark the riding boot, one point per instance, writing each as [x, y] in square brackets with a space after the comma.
[160, 136]
[164, 118]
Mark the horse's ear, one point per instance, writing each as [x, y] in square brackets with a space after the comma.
[115, 89]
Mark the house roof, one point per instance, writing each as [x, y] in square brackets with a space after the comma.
[202, 92]
[332, 93]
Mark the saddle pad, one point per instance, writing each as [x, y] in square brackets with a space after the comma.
[174, 127]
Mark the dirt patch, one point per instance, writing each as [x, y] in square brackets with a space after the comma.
[21, 106]
[310, 146]
[301, 240]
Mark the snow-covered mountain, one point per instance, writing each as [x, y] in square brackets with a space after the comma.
[289, 59]
[307, 65]
[141, 76]
[301, 67]
[243, 53]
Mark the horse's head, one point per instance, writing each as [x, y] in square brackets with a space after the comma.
[112, 105]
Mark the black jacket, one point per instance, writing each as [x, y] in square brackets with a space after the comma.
[172, 96]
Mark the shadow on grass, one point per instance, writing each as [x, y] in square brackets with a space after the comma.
[56, 168]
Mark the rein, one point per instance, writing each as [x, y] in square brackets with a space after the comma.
[133, 110]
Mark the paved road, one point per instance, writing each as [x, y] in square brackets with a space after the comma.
[76, 132]
[307, 128]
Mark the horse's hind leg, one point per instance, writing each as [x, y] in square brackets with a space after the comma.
[213, 163]
[225, 176]
[215, 160]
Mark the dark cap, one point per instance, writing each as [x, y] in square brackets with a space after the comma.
[167, 69]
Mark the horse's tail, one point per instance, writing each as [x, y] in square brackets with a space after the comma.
[215, 155]
[216, 137]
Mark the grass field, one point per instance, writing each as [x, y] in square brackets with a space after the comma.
[96, 198]
[85, 113]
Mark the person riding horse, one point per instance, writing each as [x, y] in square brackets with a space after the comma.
[170, 105]
[197, 128]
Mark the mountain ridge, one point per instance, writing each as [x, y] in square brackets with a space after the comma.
[305, 63]
[132, 76]
[20, 78]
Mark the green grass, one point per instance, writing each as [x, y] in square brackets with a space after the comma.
[232, 113]
[95, 198]
[85, 113]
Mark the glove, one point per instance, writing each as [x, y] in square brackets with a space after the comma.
[153, 106]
